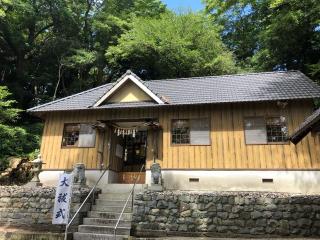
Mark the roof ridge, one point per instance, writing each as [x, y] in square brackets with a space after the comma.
[67, 97]
[225, 75]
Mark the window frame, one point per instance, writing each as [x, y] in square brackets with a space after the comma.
[190, 144]
[286, 124]
[265, 119]
[244, 130]
[76, 146]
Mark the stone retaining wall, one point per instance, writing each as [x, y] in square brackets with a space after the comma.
[32, 208]
[226, 214]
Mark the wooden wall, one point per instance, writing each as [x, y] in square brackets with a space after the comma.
[57, 157]
[227, 150]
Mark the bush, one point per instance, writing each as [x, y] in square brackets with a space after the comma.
[17, 141]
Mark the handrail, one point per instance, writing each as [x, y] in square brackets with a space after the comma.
[124, 207]
[84, 201]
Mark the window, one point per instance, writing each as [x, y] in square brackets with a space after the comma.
[180, 132]
[277, 129]
[190, 131]
[255, 130]
[78, 135]
[260, 130]
[71, 135]
[200, 131]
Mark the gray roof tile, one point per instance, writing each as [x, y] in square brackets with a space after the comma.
[82, 100]
[250, 87]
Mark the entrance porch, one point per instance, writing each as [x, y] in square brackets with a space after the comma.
[131, 144]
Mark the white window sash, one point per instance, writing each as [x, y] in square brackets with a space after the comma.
[255, 130]
[200, 131]
[87, 136]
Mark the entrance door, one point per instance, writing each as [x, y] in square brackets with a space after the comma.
[134, 157]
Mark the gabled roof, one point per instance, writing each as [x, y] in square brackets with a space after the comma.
[252, 87]
[128, 76]
[305, 127]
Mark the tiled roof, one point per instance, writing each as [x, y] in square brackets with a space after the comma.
[82, 100]
[250, 87]
[306, 127]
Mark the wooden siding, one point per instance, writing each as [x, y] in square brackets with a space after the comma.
[228, 149]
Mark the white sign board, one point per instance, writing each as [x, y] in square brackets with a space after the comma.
[62, 200]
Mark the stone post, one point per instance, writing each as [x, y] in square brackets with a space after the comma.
[79, 175]
[156, 178]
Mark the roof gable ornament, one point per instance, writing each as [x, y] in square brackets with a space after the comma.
[128, 76]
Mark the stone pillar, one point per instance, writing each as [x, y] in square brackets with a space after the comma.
[156, 178]
[79, 175]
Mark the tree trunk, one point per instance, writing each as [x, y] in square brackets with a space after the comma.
[58, 83]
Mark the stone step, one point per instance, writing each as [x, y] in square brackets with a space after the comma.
[106, 221]
[94, 236]
[115, 209]
[119, 203]
[114, 196]
[104, 229]
[109, 215]
[123, 188]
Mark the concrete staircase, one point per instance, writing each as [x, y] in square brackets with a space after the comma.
[101, 220]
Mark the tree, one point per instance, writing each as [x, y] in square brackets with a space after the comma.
[271, 34]
[32, 32]
[240, 27]
[170, 46]
[112, 20]
[149, 8]
[15, 141]
[7, 112]
[290, 38]
[51, 49]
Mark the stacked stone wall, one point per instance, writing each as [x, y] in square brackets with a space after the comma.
[226, 214]
[32, 208]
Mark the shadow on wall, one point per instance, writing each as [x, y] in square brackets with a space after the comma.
[311, 177]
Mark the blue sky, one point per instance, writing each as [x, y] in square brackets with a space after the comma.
[177, 5]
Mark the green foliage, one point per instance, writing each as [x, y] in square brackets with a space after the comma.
[15, 141]
[314, 71]
[171, 46]
[152, 8]
[81, 58]
[271, 34]
[52, 49]
[4, 5]
[7, 112]
[290, 37]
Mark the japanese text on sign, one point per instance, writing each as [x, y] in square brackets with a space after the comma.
[62, 200]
